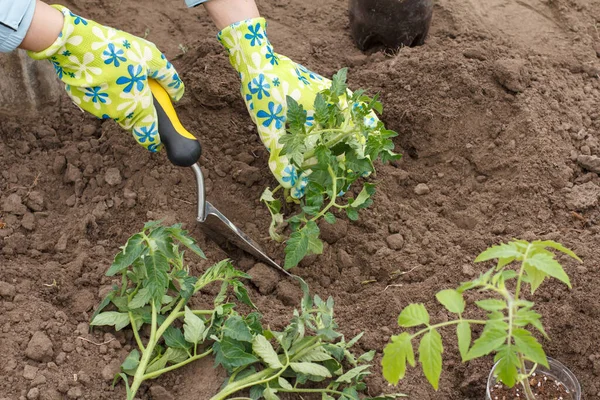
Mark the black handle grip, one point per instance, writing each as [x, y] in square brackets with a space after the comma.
[183, 149]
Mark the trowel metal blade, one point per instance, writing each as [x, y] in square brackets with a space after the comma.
[217, 223]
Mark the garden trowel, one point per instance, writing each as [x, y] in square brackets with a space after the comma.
[184, 150]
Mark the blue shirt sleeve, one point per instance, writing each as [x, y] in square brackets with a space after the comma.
[193, 3]
[15, 19]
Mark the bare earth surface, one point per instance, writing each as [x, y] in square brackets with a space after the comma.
[498, 115]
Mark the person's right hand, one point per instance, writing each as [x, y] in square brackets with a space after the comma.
[106, 73]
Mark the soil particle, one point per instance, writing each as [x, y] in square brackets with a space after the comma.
[289, 293]
[422, 189]
[14, 204]
[264, 278]
[395, 241]
[28, 221]
[72, 174]
[475, 54]
[7, 291]
[82, 301]
[40, 347]
[160, 393]
[61, 245]
[511, 74]
[110, 370]
[75, 393]
[590, 163]
[33, 394]
[39, 380]
[345, 259]
[331, 233]
[29, 372]
[246, 174]
[59, 164]
[113, 177]
[583, 196]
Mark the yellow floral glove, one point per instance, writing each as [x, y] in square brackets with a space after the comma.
[106, 73]
[267, 78]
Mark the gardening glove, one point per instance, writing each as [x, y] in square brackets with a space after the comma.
[106, 73]
[267, 78]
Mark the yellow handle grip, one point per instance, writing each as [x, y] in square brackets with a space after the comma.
[183, 149]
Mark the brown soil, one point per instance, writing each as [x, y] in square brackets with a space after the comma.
[498, 116]
[543, 388]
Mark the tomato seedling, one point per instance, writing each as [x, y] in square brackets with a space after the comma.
[505, 331]
[308, 356]
[338, 147]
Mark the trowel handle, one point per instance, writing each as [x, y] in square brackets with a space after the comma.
[183, 149]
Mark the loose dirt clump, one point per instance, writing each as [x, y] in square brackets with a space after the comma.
[498, 115]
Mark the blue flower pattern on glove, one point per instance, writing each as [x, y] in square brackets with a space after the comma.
[136, 78]
[259, 87]
[255, 36]
[112, 55]
[273, 115]
[96, 95]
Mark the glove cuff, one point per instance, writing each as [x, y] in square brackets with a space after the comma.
[63, 37]
[244, 38]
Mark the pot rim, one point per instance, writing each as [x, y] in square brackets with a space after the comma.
[554, 364]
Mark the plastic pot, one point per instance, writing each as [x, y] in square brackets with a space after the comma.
[389, 23]
[556, 371]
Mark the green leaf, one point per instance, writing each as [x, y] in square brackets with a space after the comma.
[353, 373]
[463, 333]
[338, 82]
[284, 383]
[193, 327]
[317, 354]
[132, 250]
[106, 301]
[491, 304]
[175, 356]
[504, 250]
[308, 368]
[508, 363]
[131, 362]
[231, 354]
[157, 265]
[236, 328]
[364, 195]
[529, 346]
[263, 348]
[490, 340]
[321, 110]
[430, 356]
[141, 298]
[175, 338]
[367, 357]
[395, 356]
[157, 364]
[302, 243]
[296, 115]
[413, 315]
[525, 317]
[269, 394]
[183, 237]
[546, 263]
[329, 218]
[352, 213]
[534, 277]
[557, 246]
[293, 147]
[111, 318]
[452, 300]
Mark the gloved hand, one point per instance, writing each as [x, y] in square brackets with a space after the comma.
[106, 73]
[267, 78]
